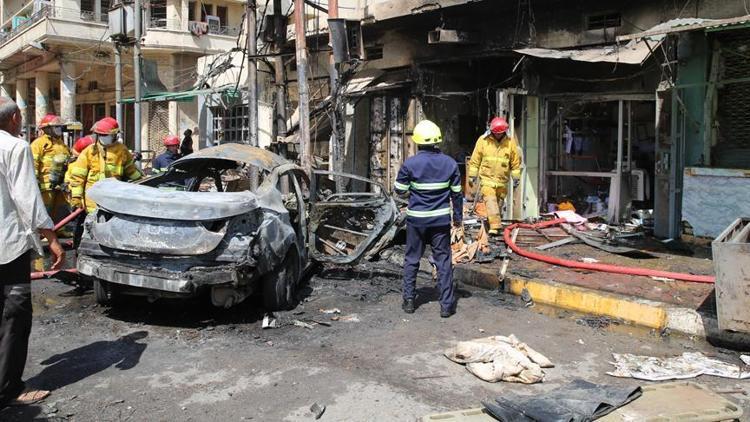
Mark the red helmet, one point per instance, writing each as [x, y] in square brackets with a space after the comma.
[50, 120]
[82, 143]
[106, 126]
[498, 125]
[171, 140]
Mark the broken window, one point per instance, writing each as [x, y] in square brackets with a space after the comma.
[374, 52]
[603, 21]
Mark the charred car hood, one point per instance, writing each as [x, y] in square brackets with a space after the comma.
[145, 201]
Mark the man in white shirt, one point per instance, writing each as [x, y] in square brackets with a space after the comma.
[23, 218]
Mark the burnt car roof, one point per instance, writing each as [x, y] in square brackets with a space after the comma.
[242, 153]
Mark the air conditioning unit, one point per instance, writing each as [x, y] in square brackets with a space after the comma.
[214, 24]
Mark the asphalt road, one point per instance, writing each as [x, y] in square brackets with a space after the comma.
[168, 361]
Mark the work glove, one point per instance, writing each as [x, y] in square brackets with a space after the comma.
[472, 185]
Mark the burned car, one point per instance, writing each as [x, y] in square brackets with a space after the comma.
[202, 225]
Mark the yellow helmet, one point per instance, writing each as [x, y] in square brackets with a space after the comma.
[427, 133]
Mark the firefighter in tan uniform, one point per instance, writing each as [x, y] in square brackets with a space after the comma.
[105, 158]
[496, 159]
[51, 157]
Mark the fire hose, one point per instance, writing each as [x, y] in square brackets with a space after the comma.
[607, 268]
[46, 274]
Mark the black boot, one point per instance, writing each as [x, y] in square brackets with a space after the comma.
[447, 312]
[408, 306]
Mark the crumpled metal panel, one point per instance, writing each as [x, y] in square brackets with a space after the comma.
[241, 153]
[145, 201]
[137, 234]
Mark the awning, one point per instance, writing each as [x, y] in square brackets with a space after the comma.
[373, 80]
[178, 95]
[634, 52]
[362, 80]
[689, 24]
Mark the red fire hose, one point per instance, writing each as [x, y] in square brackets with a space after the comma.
[46, 274]
[68, 219]
[607, 268]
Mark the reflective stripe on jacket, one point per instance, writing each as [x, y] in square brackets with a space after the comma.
[433, 182]
[50, 157]
[495, 161]
[98, 163]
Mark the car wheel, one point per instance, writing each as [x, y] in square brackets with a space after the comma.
[279, 286]
[103, 292]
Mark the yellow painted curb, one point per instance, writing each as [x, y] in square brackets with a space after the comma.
[637, 311]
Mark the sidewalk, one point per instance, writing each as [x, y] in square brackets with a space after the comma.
[663, 305]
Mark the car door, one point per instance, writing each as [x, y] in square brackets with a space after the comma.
[355, 222]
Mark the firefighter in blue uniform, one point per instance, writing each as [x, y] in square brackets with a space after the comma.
[433, 182]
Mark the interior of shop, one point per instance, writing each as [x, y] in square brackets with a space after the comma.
[582, 155]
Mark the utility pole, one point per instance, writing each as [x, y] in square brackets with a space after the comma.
[118, 86]
[337, 133]
[137, 73]
[304, 94]
[279, 74]
[252, 72]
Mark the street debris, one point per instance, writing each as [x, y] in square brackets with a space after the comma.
[349, 318]
[330, 311]
[302, 324]
[677, 401]
[688, 365]
[269, 321]
[526, 297]
[556, 243]
[317, 410]
[596, 321]
[577, 401]
[589, 260]
[500, 358]
[745, 359]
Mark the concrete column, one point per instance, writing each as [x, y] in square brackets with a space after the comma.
[6, 90]
[184, 13]
[22, 93]
[67, 91]
[41, 95]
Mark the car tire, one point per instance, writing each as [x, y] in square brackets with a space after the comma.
[279, 286]
[103, 292]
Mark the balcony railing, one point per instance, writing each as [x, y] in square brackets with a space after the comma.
[198, 28]
[20, 23]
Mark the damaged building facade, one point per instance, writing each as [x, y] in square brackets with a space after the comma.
[618, 106]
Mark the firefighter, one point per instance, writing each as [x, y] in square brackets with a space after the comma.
[105, 158]
[432, 180]
[51, 157]
[496, 159]
[163, 160]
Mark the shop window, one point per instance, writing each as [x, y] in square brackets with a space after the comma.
[603, 21]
